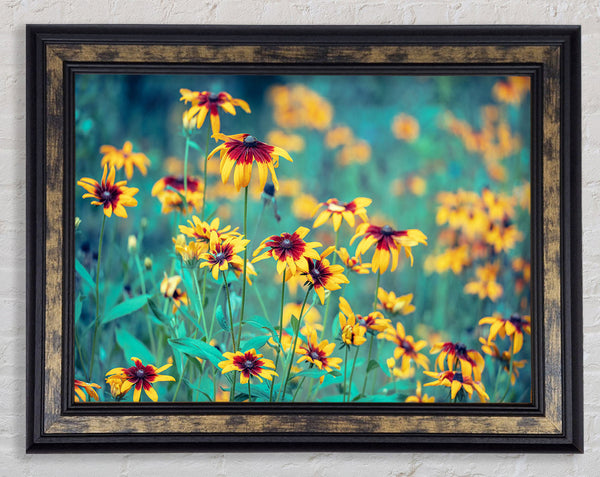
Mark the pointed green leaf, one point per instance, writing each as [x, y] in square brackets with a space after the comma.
[310, 373]
[132, 346]
[84, 274]
[221, 319]
[197, 348]
[263, 323]
[126, 308]
[295, 323]
[255, 343]
[157, 313]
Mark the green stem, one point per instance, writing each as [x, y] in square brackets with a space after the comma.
[352, 374]
[140, 270]
[261, 302]
[298, 388]
[364, 387]
[185, 173]
[279, 350]
[510, 368]
[326, 315]
[214, 314]
[230, 313]
[200, 300]
[345, 373]
[376, 290]
[205, 169]
[245, 267]
[293, 349]
[97, 321]
[249, 392]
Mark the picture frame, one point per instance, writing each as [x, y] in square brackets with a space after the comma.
[549, 55]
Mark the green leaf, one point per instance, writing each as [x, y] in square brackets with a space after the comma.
[197, 348]
[310, 373]
[156, 312]
[221, 319]
[84, 274]
[78, 307]
[194, 145]
[373, 364]
[126, 308]
[185, 312]
[132, 346]
[255, 343]
[262, 323]
[295, 323]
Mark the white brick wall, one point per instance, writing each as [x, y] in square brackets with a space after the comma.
[14, 14]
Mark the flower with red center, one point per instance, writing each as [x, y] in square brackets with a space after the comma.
[241, 151]
[388, 243]
[324, 276]
[249, 364]
[89, 387]
[418, 396]
[125, 157]
[514, 327]
[112, 196]
[470, 361]
[353, 263]
[353, 333]
[406, 348]
[204, 102]
[289, 250]
[318, 354]
[201, 231]
[395, 305]
[171, 191]
[168, 288]
[223, 253]
[338, 210]
[141, 377]
[457, 381]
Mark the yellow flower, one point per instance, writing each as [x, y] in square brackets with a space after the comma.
[395, 305]
[322, 275]
[89, 387]
[304, 206]
[170, 191]
[116, 385]
[339, 136]
[241, 151]
[470, 361]
[388, 243]
[140, 376]
[289, 142]
[113, 197]
[352, 332]
[503, 237]
[418, 397]
[417, 185]
[223, 253]
[486, 285]
[125, 157]
[406, 348]
[204, 102]
[514, 327]
[298, 106]
[312, 317]
[190, 252]
[511, 91]
[168, 288]
[338, 210]
[353, 263]
[201, 231]
[318, 354]
[405, 127]
[250, 365]
[456, 381]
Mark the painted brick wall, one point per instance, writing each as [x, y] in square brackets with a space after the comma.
[14, 14]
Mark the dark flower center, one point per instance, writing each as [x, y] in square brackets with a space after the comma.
[213, 97]
[106, 195]
[387, 230]
[458, 377]
[140, 373]
[219, 256]
[516, 320]
[460, 349]
[406, 346]
[248, 364]
[314, 355]
[286, 243]
[249, 140]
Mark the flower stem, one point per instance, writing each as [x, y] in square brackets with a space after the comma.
[352, 374]
[368, 361]
[326, 315]
[185, 173]
[345, 373]
[200, 300]
[279, 349]
[230, 313]
[239, 337]
[376, 290]
[293, 348]
[249, 392]
[97, 321]
[205, 169]
[510, 368]
[298, 388]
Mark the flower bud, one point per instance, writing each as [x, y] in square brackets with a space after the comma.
[132, 244]
[77, 222]
[148, 263]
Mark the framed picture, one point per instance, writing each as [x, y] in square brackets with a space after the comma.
[269, 238]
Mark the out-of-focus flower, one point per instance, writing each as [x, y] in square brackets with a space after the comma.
[338, 210]
[304, 206]
[454, 258]
[388, 243]
[141, 377]
[486, 284]
[358, 151]
[338, 136]
[148, 263]
[296, 106]
[522, 269]
[132, 244]
[119, 158]
[204, 102]
[112, 196]
[89, 387]
[457, 381]
[311, 316]
[322, 275]
[418, 397]
[168, 287]
[514, 327]
[289, 142]
[240, 151]
[395, 305]
[249, 364]
[405, 127]
[170, 191]
[417, 185]
[513, 90]
[406, 348]
[470, 361]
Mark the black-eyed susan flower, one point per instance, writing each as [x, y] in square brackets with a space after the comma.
[168, 287]
[486, 284]
[418, 396]
[322, 275]
[388, 243]
[125, 157]
[372, 322]
[338, 210]
[504, 357]
[89, 387]
[204, 102]
[389, 302]
[112, 196]
[406, 348]
[514, 327]
[249, 364]
[318, 354]
[353, 263]
[117, 390]
[503, 237]
[141, 377]
[171, 192]
[457, 381]
[223, 253]
[470, 361]
[241, 151]
[352, 332]
[201, 231]
[289, 250]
